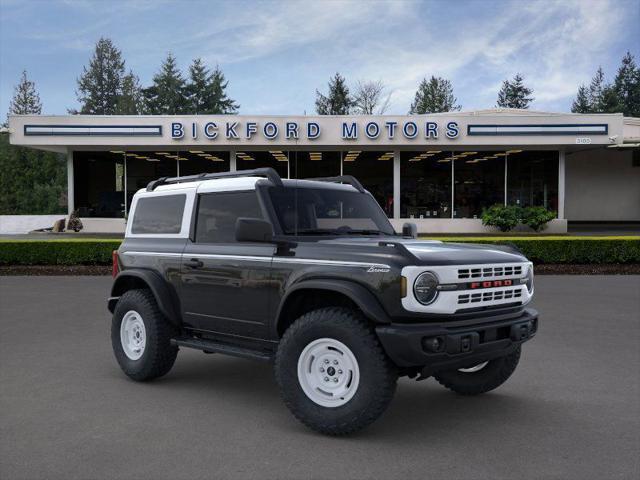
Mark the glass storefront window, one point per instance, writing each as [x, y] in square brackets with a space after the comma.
[314, 164]
[425, 184]
[532, 179]
[99, 184]
[478, 182]
[101, 181]
[193, 162]
[276, 159]
[101, 178]
[375, 171]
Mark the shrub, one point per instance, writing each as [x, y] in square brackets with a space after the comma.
[537, 217]
[57, 252]
[503, 217]
[568, 250]
[556, 249]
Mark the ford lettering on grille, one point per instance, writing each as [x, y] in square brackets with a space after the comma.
[490, 284]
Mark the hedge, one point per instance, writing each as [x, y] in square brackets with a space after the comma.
[548, 249]
[57, 252]
[566, 249]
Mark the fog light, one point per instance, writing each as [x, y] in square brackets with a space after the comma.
[433, 344]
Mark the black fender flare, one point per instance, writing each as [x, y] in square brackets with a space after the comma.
[363, 298]
[167, 303]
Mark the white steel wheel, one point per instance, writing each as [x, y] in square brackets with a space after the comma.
[133, 335]
[475, 368]
[328, 372]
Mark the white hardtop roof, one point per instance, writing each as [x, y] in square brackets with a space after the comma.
[238, 183]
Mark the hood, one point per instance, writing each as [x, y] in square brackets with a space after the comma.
[435, 252]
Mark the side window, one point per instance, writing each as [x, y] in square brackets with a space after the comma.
[161, 214]
[218, 212]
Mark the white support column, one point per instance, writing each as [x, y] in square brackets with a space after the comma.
[232, 161]
[71, 204]
[453, 185]
[396, 184]
[506, 170]
[126, 180]
[561, 177]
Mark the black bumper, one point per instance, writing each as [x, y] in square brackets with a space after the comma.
[446, 346]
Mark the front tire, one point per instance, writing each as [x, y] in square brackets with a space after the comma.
[332, 372]
[480, 378]
[141, 337]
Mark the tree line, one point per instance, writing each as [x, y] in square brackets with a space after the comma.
[33, 181]
[106, 87]
[621, 95]
[435, 95]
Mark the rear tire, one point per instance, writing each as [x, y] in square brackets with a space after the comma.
[141, 337]
[332, 372]
[485, 379]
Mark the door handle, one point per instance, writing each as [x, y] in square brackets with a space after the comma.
[194, 263]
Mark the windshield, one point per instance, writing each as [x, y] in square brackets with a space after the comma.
[327, 211]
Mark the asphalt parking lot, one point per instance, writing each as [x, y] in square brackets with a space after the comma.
[571, 410]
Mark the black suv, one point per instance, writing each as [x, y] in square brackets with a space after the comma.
[310, 275]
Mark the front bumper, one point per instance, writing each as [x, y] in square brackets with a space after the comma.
[447, 346]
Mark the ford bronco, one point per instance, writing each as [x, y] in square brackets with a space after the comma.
[311, 276]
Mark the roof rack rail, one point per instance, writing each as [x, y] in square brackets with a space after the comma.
[267, 172]
[350, 179]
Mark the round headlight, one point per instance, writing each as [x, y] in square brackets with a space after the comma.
[425, 288]
[530, 279]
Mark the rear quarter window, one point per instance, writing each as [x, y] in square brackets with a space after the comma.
[161, 214]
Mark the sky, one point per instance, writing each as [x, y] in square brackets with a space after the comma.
[275, 54]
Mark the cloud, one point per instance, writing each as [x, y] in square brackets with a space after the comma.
[277, 53]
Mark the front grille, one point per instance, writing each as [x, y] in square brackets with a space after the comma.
[489, 272]
[496, 295]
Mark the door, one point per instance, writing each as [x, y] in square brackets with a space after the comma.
[225, 284]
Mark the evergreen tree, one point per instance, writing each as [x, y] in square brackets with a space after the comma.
[581, 104]
[596, 91]
[206, 92]
[31, 181]
[433, 96]
[167, 95]
[514, 94]
[627, 86]
[338, 101]
[196, 89]
[610, 101]
[130, 101]
[25, 99]
[99, 86]
[218, 100]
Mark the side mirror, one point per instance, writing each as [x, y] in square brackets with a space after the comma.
[410, 230]
[253, 230]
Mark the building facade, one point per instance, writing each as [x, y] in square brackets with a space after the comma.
[439, 171]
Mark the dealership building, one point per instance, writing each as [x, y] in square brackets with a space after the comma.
[439, 170]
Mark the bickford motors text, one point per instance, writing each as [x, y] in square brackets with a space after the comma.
[290, 130]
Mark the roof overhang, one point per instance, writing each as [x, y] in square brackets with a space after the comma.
[245, 132]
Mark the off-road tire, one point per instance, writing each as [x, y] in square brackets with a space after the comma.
[494, 374]
[378, 376]
[159, 355]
